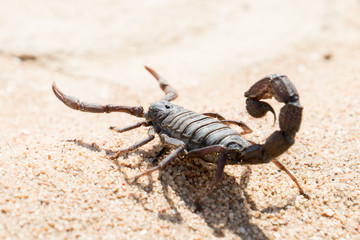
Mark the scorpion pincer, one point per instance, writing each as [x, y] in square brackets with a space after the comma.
[208, 135]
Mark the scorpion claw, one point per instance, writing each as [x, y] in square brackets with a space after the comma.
[76, 104]
[177, 127]
[170, 93]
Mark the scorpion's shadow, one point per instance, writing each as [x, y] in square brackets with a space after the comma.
[226, 207]
[223, 208]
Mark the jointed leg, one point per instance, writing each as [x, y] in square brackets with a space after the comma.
[198, 153]
[170, 92]
[131, 127]
[241, 124]
[217, 178]
[170, 141]
[282, 167]
[158, 155]
[76, 104]
[214, 115]
[134, 146]
[166, 160]
[228, 122]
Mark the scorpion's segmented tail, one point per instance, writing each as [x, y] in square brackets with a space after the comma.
[170, 93]
[279, 87]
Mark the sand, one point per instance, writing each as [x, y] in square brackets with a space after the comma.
[54, 188]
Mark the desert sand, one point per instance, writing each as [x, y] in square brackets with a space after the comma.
[211, 52]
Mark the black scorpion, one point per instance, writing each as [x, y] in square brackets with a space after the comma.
[208, 135]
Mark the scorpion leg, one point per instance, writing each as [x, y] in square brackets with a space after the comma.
[283, 168]
[131, 127]
[219, 170]
[214, 115]
[114, 155]
[168, 141]
[241, 124]
[279, 87]
[76, 104]
[170, 93]
[246, 129]
[158, 155]
[201, 152]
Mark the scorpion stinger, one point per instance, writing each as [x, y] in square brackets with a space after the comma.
[209, 136]
[279, 87]
[170, 92]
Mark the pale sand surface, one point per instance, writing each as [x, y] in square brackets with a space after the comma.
[211, 52]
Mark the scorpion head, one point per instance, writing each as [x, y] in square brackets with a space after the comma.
[158, 111]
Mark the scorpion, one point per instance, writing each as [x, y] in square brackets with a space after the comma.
[208, 135]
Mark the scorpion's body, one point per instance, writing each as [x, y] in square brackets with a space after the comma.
[197, 130]
[208, 135]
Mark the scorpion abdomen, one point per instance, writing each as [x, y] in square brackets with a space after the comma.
[197, 130]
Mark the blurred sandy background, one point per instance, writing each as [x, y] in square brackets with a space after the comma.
[211, 52]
